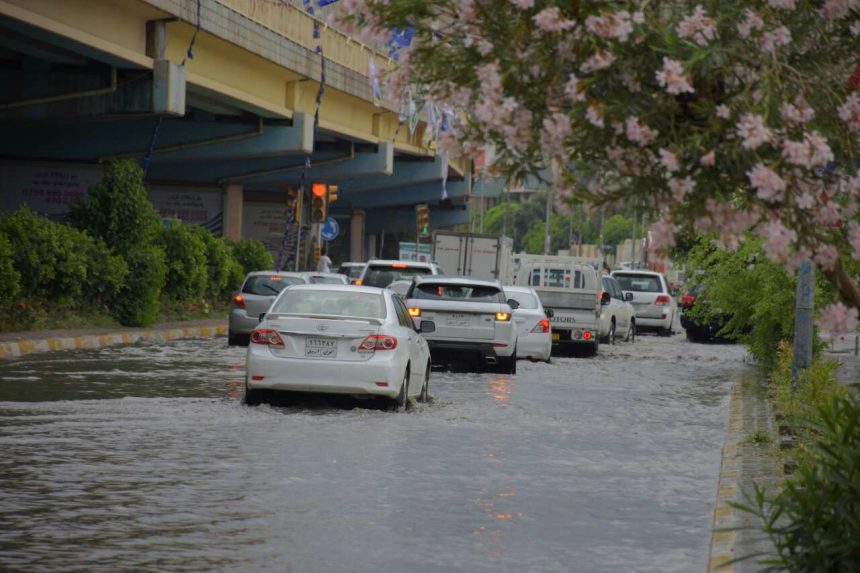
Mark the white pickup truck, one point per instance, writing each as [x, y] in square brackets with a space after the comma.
[571, 288]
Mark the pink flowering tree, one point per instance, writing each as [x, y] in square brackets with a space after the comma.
[731, 116]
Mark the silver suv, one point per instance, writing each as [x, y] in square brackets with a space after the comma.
[472, 318]
[381, 273]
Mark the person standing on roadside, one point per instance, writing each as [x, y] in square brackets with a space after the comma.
[325, 262]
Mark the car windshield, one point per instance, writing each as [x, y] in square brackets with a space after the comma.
[330, 303]
[561, 278]
[526, 300]
[382, 276]
[320, 280]
[352, 272]
[266, 285]
[465, 293]
[639, 283]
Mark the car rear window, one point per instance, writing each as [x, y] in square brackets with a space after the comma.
[559, 278]
[319, 280]
[383, 275]
[526, 300]
[331, 303]
[266, 285]
[351, 272]
[639, 283]
[464, 293]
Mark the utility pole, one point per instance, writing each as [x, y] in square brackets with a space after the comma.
[546, 236]
[633, 242]
[803, 319]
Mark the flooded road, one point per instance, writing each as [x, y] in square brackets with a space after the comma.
[143, 458]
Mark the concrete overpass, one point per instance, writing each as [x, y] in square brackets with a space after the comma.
[219, 95]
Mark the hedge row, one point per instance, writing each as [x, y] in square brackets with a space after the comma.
[117, 256]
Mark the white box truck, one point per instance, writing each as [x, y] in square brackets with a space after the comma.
[474, 255]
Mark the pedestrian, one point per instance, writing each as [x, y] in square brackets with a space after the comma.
[325, 262]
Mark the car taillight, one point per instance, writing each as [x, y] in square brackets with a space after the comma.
[662, 300]
[414, 312]
[357, 282]
[377, 342]
[267, 337]
[503, 316]
[239, 301]
[587, 335]
[688, 300]
[542, 326]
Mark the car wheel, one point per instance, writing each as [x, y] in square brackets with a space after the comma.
[399, 403]
[611, 337]
[252, 397]
[236, 339]
[665, 332]
[424, 396]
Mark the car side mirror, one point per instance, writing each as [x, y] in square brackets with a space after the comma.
[604, 298]
[262, 316]
[427, 327]
[628, 296]
[513, 304]
[549, 312]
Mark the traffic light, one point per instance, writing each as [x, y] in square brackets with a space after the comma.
[422, 219]
[332, 194]
[319, 194]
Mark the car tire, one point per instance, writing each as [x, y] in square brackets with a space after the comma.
[237, 339]
[631, 331]
[508, 365]
[252, 397]
[610, 338]
[399, 403]
[424, 396]
[665, 332]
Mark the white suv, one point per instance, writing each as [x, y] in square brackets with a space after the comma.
[381, 273]
[472, 317]
[652, 301]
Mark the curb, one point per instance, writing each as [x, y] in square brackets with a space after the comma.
[17, 348]
[723, 538]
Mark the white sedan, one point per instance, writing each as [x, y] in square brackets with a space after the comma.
[338, 339]
[534, 336]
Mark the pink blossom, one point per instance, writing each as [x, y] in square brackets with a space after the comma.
[723, 111]
[782, 4]
[854, 240]
[849, 112]
[812, 152]
[612, 25]
[669, 160]
[752, 22]
[770, 41]
[594, 115]
[485, 47]
[672, 78]
[556, 129]
[753, 131]
[662, 233]
[777, 240]
[550, 20]
[638, 132]
[835, 9]
[766, 182]
[709, 159]
[855, 28]
[491, 79]
[698, 27]
[638, 18]
[599, 61]
[523, 4]
[571, 89]
[837, 318]
[797, 113]
[826, 256]
[680, 188]
[828, 215]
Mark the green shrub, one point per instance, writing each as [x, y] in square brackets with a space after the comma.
[252, 255]
[138, 303]
[9, 277]
[186, 262]
[117, 209]
[224, 274]
[814, 522]
[60, 266]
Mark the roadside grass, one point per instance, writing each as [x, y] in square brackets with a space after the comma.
[759, 438]
[26, 318]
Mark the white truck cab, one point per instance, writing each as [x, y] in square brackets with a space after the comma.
[570, 288]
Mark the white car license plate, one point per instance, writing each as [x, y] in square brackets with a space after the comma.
[458, 319]
[320, 348]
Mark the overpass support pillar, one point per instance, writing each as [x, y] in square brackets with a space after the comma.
[356, 236]
[233, 200]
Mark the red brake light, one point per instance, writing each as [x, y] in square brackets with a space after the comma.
[542, 326]
[662, 300]
[239, 301]
[267, 337]
[378, 342]
[586, 335]
[275, 278]
[398, 266]
[688, 300]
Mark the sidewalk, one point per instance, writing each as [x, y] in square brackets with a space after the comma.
[842, 351]
[14, 344]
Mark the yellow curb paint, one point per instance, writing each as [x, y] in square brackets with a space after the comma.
[205, 331]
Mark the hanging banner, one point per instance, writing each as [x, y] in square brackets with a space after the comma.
[374, 82]
[444, 177]
[413, 114]
[431, 132]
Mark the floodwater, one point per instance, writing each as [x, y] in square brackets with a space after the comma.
[143, 458]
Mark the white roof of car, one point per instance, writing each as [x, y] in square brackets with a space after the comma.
[352, 264]
[513, 288]
[276, 274]
[337, 287]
